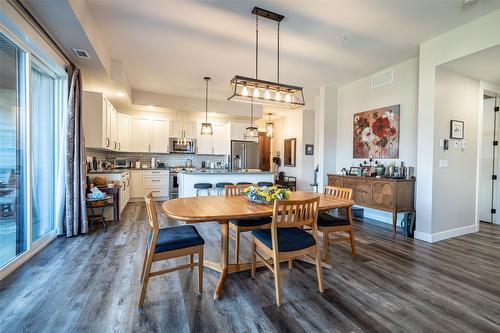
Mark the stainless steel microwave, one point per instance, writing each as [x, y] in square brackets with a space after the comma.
[121, 164]
[182, 145]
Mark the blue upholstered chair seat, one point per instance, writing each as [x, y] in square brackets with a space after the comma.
[289, 239]
[178, 237]
[221, 185]
[253, 222]
[327, 220]
[202, 185]
[266, 184]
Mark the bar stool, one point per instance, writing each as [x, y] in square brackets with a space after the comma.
[220, 187]
[244, 183]
[264, 184]
[202, 186]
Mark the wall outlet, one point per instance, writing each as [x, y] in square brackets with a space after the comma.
[443, 163]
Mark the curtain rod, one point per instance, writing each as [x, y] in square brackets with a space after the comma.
[35, 24]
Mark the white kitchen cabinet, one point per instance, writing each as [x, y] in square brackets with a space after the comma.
[204, 143]
[136, 187]
[124, 190]
[237, 132]
[179, 128]
[216, 144]
[150, 135]
[141, 134]
[113, 133]
[220, 139]
[146, 181]
[96, 120]
[124, 127]
[160, 130]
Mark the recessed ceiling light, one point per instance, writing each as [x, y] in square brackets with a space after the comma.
[151, 107]
[343, 39]
[120, 94]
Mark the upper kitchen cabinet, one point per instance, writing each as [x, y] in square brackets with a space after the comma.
[180, 128]
[150, 135]
[160, 134]
[99, 121]
[237, 132]
[124, 132]
[216, 144]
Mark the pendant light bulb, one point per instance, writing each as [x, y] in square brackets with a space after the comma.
[256, 92]
[288, 98]
[244, 91]
[267, 94]
[278, 96]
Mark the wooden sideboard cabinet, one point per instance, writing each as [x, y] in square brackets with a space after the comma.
[390, 195]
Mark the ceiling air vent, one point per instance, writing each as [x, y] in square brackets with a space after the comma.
[382, 78]
[81, 54]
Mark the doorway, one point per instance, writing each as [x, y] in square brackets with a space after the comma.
[489, 196]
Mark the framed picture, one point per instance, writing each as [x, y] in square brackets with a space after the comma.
[376, 133]
[456, 129]
[355, 171]
[309, 149]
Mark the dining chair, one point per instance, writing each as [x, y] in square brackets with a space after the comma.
[244, 225]
[286, 239]
[328, 223]
[169, 243]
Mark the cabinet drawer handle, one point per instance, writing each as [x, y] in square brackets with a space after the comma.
[107, 142]
[155, 191]
[119, 146]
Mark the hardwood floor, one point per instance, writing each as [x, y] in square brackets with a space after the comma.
[91, 284]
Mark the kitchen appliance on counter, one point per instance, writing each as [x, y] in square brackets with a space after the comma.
[244, 155]
[187, 146]
[121, 164]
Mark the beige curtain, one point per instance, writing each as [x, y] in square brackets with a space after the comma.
[75, 220]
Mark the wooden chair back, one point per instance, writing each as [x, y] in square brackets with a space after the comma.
[339, 193]
[152, 217]
[235, 189]
[295, 213]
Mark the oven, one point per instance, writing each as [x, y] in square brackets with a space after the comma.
[173, 185]
[182, 145]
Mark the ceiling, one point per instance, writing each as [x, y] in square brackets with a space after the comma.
[167, 47]
[482, 65]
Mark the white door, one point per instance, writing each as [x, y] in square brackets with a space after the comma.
[160, 130]
[220, 142]
[136, 186]
[124, 123]
[176, 128]
[140, 134]
[204, 143]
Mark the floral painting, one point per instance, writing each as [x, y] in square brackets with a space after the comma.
[376, 133]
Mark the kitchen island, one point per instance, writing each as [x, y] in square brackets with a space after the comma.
[187, 179]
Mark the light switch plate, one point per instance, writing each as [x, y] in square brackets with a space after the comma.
[443, 163]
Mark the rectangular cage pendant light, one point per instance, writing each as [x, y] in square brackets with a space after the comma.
[245, 89]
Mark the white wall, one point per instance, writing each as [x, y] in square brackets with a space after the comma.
[467, 39]
[358, 96]
[298, 124]
[454, 190]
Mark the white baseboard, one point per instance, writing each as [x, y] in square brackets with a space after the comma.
[21, 259]
[439, 236]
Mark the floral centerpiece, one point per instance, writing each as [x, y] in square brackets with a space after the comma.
[266, 195]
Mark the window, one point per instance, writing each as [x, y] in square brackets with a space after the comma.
[31, 150]
[13, 221]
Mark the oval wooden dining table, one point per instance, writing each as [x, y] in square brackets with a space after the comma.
[222, 209]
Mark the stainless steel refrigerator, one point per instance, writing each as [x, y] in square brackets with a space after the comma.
[244, 155]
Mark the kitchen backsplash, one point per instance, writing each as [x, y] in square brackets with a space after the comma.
[168, 159]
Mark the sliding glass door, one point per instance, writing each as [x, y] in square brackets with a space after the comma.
[13, 217]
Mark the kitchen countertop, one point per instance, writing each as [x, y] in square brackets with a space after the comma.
[122, 170]
[211, 172]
